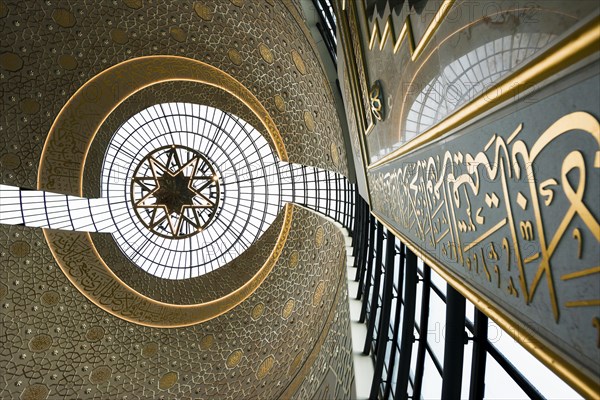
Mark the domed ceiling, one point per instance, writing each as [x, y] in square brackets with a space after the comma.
[184, 128]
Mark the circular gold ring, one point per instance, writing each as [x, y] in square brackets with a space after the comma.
[61, 170]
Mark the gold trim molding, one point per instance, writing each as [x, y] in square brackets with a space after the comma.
[79, 260]
[407, 32]
[97, 98]
[570, 50]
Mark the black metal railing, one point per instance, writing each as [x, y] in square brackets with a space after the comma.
[327, 26]
[398, 295]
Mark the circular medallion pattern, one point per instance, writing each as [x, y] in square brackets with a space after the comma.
[234, 358]
[257, 311]
[168, 380]
[175, 192]
[299, 62]
[235, 56]
[265, 53]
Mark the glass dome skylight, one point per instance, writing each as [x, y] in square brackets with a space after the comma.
[185, 189]
[218, 161]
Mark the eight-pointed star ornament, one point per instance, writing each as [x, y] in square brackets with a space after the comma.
[175, 191]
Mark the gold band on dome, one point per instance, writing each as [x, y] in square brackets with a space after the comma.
[86, 110]
[77, 257]
[61, 170]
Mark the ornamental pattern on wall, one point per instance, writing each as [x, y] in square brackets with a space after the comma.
[513, 217]
[57, 344]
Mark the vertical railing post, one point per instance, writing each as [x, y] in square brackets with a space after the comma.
[423, 326]
[454, 345]
[478, 359]
[364, 285]
[408, 325]
[364, 274]
[383, 339]
[372, 314]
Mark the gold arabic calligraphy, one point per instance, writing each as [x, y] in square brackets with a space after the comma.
[442, 202]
